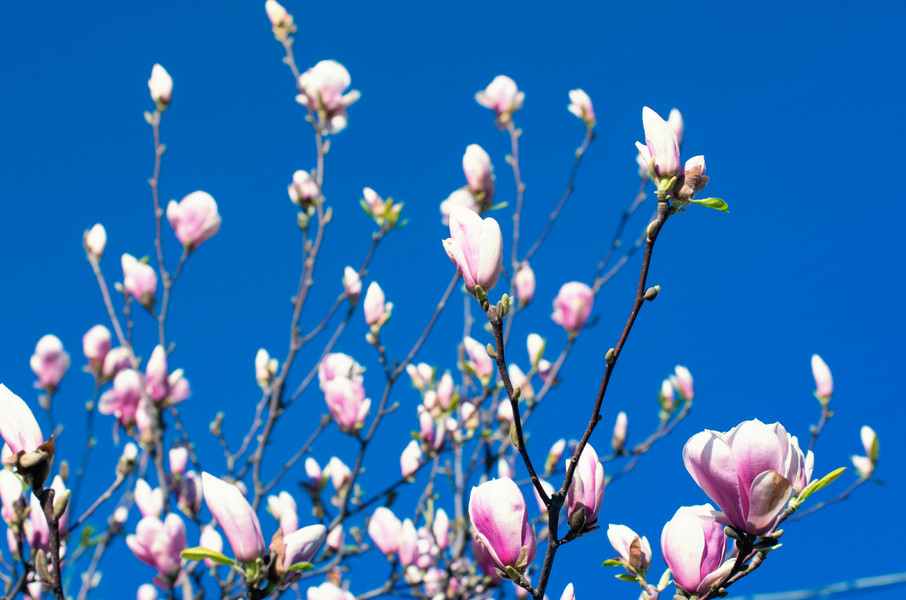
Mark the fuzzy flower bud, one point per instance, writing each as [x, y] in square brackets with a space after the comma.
[235, 517]
[478, 355]
[499, 517]
[572, 306]
[479, 172]
[95, 240]
[633, 550]
[586, 491]
[503, 97]
[475, 245]
[618, 440]
[265, 368]
[376, 310]
[824, 382]
[352, 283]
[161, 86]
[580, 105]
[49, 362]
[384, 529]
[194, 219]
[139, 279]
[525, 284]
[411, 458]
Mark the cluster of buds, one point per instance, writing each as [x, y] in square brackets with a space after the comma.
[386, 213]
[281, 21]
[265, 368]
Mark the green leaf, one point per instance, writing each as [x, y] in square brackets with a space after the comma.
[612, 562]
[715, 203]
[199, 553]
[817, 485]
[627, 577]
[302, 566]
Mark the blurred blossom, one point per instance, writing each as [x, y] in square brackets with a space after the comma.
[504, 468]
[303, 190]
[116, 360]
[410, 459]
[479, 172]
[478, 355]
[824, 382]
[568, 593]
[328, 591]
[322, 88]
[211, 540]
[683, 382]
[18, 426]
[666, 396]
[283, 508]
[150, 502]
[572, 306]
[694, 545]
[749, 472]
[421, 375]
[525, 284]
[618, 440]
[139, 279]
[338, 471]
[675, 123]
[377, 311]
[95, 240]
[158, 544]
[461, 197]
[352, 284]
[554, 454]
[475, 245]
[441, 528]
[96, 344]
[549, 490]
[503, 97]
[194, 219]
[445, 391]
[344, 392]
[279, 18]
[179, 456]
[265, 368]
[122, 400]
[156, 374]
[500, 521]
[146, 592]
[189, 493]
[535, 344]
[236, 518]
[12, 496]
[313, 471]
[385, 529]
[336, 539]
[580, 105]
[302, 545]
[49, 362]
[519, 379]
[160, 86]
[408, 550]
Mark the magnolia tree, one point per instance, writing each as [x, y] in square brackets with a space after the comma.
[467, 531]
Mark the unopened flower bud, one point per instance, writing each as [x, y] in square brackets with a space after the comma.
[525, 284]
[619, 433]
[824, 382]
[95, 240]
[352, 283]
[161, 87]
[580, 105]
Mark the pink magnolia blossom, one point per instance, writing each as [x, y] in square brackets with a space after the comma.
[122, 401]
[580, 105]
[694, 545]
[525, 284]
[189, 493]
[12, 496]
[283, 508]
[96, 343]
[422, 375]
[666, 395]
[150, 502]
[683, 382]
[661, 145]
[384, 529]
[554, 454]
[194, 219]
[408, 549]
[485, 561]
[116, 360]
[572, 306]
[37, 533]
[586, 490]
[461, 197]
[520, 380]
[302, 545]
[321, 91]
[336, 538]
[475, 245]
[824, 381]
[675, 122]
[499, 517]
[503, 97]
[339, 365]
[156, 374]
[179, 456]
[146, 592]
[622, 539]
[749, 472]
[618, 440]
[478, 355]
[313, 470]
[235, 517]
[304, 189]
[535, 345]
[377, 311]
[338, 472]
[211, 540]
[49, 362]
[352, 283]
[347, 403]
[139, 279]
[479, 172]
[441, 528]
[95, 240]
[568, 593]
[18, 426]
[328, 591]
[178, 388]
[161, 86]
[445, 391]
[158, 544]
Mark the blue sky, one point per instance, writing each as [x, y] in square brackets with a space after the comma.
[794, 107]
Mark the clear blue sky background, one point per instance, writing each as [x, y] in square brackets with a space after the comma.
[796, 106]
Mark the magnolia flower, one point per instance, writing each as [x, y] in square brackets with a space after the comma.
[445, 391]
[865, 465]
[194, 219]
[279, 18]
[18, 426]
[49, 362]
[161, 86]
[338, 471]
[572, 306]
[283, 508]
[139, 279]
[580, 105]
[116, 360]
[96, 344]
[824, 382]
[661, 145]
[179, 456]
[665, 395]
[635, 551]
[12, 496]
[749, 472]
[146, 592]
[693, 545]
[346, 402]
[476, 247]
[568, 593]
[352, 283]
[158, 544]
[421, 375]
[525, 284]
[211, 540]
[303, 190]
[683, 382]
[535, 345]
[95, 240]
[503, 97]
[265, 368]
[441, 528]
[376, 310]
[313, 470]
[478, 355]
[411, 458]
[407, 550]
[328, 591]
[586, 490]
[321, 92]
[302, 545]
[150, 502]
[618, 440]
[461, 197]
[156, 375]
[336, 538]
[479, 172]
[675, 122]
[384, 529]
[500, 520]
[554, 454]
[235, 517]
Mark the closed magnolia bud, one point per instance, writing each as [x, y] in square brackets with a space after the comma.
[150, 502]
[445, 391]
[503, 97]
[635, 551]
[554, 454]
[683, 382]
[666, 396]
[95, 240]
[824, 382]
[49, 362]
[572, 306]
[441, 528]
[338, 471]
[96, 344]
[479, 172]
[194, 219]
[178, 458]
[586, 491]
[303, 190]
[265, 368]
[869, 442]
[525, 284]
[236, 518]
[568, 593]
[146, 592]
[384, 529]
[336, 538]
[377, 311]
[499, 517]
[410, 459]
[279, 18]
[475, 245]
[694, 545]
[352, 283]
[535, 344]
[313, 471]
[478, 355]
[619, 433]
[139, 279]
[161, 86]
[580, 105]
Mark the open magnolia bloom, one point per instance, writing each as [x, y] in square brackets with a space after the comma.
[29, 452]
[750, 472]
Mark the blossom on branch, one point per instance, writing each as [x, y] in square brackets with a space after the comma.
[500, 520]
[194, 219]
[572, 306]
[580, 105]
[161, 87]
[694, 545]
[235, 517]
[321, 92]
[586, 490]
[49, 362]
[503, 97]
[475, 245]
